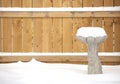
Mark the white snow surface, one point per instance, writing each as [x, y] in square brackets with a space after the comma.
[91, 31]
[35, 72]
[62, 9]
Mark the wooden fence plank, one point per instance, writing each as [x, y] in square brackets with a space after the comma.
[108, 3]
[37, 28]
[37, 3]
[117, 34]
[108, 26]
[0, 31]
[87, 22]
[27, 29]
[116, 30]
[57, 29]
[77, 3]
[87, 3]
[47, 30]
[6, 29]
[116, 2]
[67, 30]
[98, 3]
[97, 22]
[17, 29]
[0, 36]
[77, 44]
[77, 22]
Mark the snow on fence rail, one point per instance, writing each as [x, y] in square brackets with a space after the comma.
[57, 54]
[69, 9]
[61, 12]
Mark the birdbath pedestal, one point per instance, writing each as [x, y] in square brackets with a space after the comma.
[92, 37]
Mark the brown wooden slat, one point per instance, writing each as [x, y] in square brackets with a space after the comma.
[108, 3]
[77, 44]
[57, 29]
[7, 34]
[97, 22]
[6, 29]
[108, 26]
[77, 3]
[0, 36]
[37, 30]
[87, 3]
[27, 29]
[98, 3]
[17, 29]
[116, 30]
[47, 30]
[86, 22]
[116, 2]
[0, 31]
[77, 22]
[117, 34]
[67, 30]
[37, 3]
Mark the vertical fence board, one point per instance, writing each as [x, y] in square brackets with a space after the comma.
[77, 44]
[77, 22]
[97, 3]
[86, 22]
[77, 3]
[108, 3]
[117, 34]
[17, 29]
[97, 22]
[7, 29]
[67, 29]
[57, 29]
[37, 3]
[116, 2]
[47, 30]
[108, 26]
[87, 3]
[27, 29]
[0, 36]
[116, 30]
[0, 30]
[37, 42]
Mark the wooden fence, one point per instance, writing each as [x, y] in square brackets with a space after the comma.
[30, 34]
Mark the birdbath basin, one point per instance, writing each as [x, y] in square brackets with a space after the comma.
[92, 37]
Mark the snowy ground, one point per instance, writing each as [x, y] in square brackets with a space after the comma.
[35, 72]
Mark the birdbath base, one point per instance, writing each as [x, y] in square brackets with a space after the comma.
[94, 64]
[92, 42]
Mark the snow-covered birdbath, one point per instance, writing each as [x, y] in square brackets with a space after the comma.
[92, 36]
